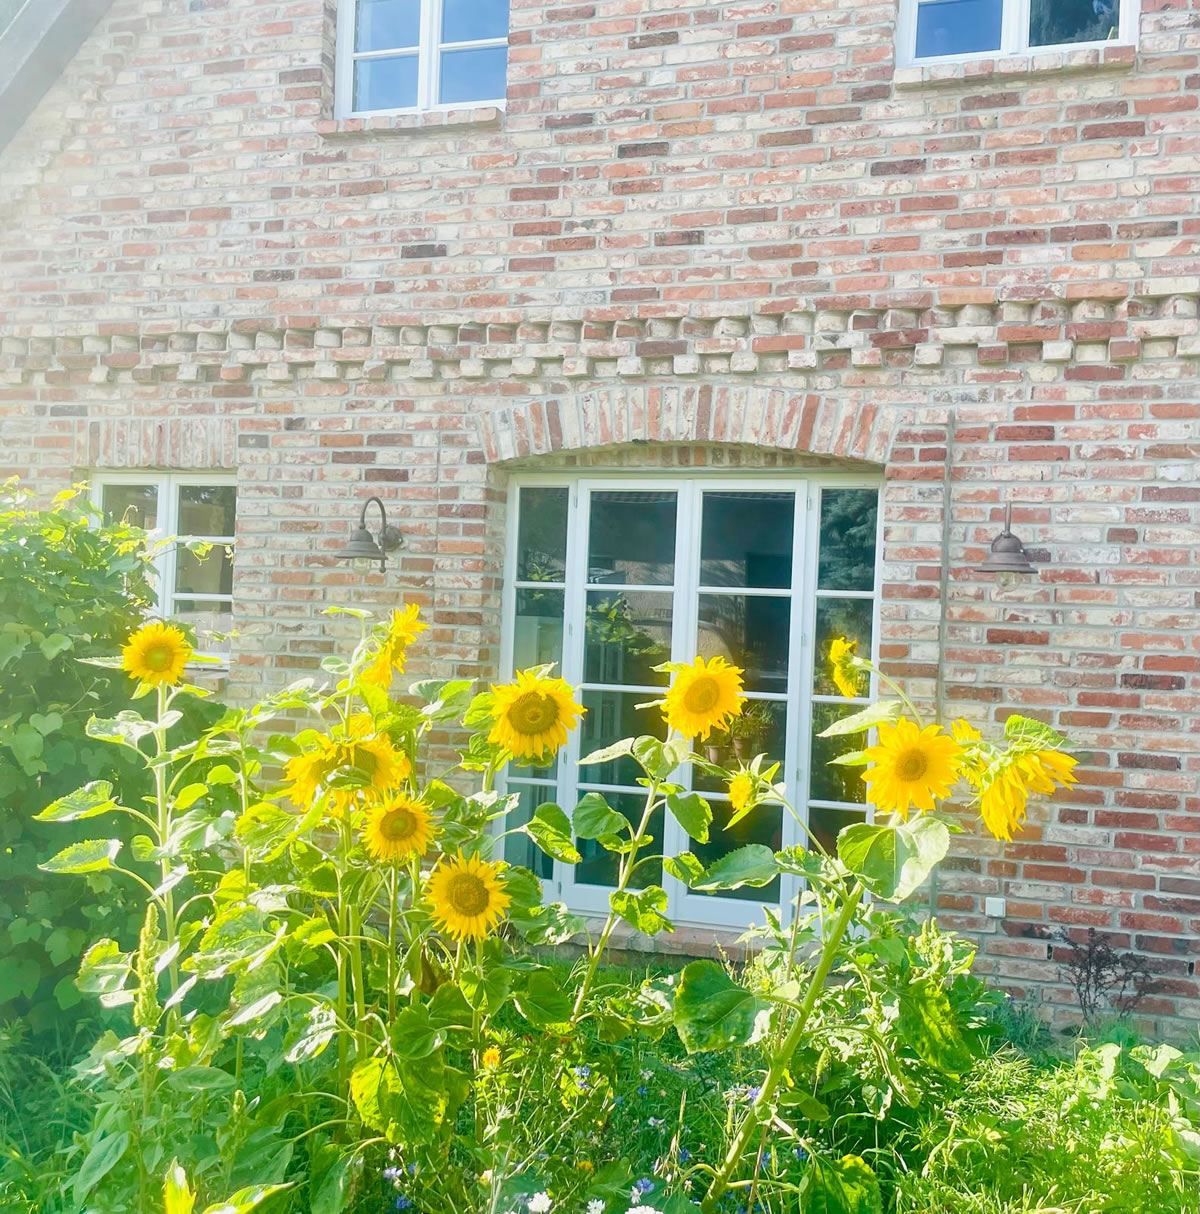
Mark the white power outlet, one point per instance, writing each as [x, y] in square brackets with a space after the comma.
[995, 908]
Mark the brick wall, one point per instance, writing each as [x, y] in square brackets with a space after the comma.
[732, 231]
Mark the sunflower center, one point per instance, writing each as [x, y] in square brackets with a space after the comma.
[467, 894]
[159, 657]
[533, 713]
[398, 825]
[702, 696]
[911, 764]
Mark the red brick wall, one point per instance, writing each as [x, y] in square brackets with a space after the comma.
[732, 230]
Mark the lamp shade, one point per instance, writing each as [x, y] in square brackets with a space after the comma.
[1008, 553]
[362, 546]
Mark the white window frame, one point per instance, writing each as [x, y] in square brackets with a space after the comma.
[428, 53]
[685, 908]
[166, 560]
[1014, 35]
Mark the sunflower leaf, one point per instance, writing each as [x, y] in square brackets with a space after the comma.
[693, 813]
[893, 861]
[594, 818]
[550, 829]
[879, 713]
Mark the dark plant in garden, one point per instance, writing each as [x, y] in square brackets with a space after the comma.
[1103, 979]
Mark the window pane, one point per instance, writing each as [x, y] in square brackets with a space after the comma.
[210, 622]
[210, 574]
[631, 539]
[825, 823]
[957, 27]
[599, 867]
[626, 636]
[207, 510]
[520, 849]
[761, 729]
[746, 539]
[387, 25]
[538, 629]
[835, 782]
[1054, 22]
[136, 504]
[849, 618]
[848, 524]
[474, 75]
[751, 633]
[471, 20]
[763, 825]
[385, 84]
[612, 715]
[542, 535]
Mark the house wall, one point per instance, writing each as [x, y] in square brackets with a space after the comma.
[699, 233]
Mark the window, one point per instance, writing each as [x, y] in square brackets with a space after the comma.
[196, 590]
[420, 54]
[609, 577]
[950, 29]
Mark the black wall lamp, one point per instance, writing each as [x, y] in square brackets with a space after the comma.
[1008, 553]
[364, 547]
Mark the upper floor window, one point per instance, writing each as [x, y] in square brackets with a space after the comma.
[192, 588]
[420, 54]
[950, 29]
[611, 576]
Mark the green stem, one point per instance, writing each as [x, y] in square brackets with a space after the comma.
[393, 895]
[783, 1056]
[912, 708]
[162, 804]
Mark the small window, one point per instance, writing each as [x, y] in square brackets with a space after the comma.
[960, 29]
[192, 587]
[420, 54]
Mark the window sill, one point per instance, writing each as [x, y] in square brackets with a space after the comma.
[482, 116]
[1049, 63]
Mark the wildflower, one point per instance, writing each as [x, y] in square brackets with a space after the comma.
[911, 766]
[491, 1058]
[583, 1072]
[741, 791]
[403, 629]
[392, 1174]
[595, 1206]
[841, 655]
[533, 715]
[654, 1122]
[403, 1203]
[703, 697]
[398, 828]
[642, 1089]
[539, 1203]
[467, 896]
[585, 1165]
[156, 654]
[643, 1186]
[684, 1154]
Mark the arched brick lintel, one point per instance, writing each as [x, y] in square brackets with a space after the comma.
[760, 416]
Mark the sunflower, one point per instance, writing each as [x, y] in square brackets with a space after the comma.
[1004, 797]
[910, 767]
[396, 828]
[533, 715]
[704, 696]
[841, 653]
[373, 755]
[741, 789]
[156, 654]
[403, 629]
[467, 897]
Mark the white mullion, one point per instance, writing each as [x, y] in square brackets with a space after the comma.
[472, 44]
[428, 68]
[343, 60]
[169, 489]
[1014, 27]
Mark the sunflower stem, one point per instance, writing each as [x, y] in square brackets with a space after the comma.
[164, 831]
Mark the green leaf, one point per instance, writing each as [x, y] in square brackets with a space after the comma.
[26, 744]
[47, 723]
[618, 750]
[550, 829]
[928, 1024]
[713, 1013]
[658, 759]
[894, 861]
[246, 1199]
[414, 1034]
[594, 818]
[88, 856]
[315, 1033]
[692, 812]
[104, 970]
[852, 758]
[55, 644]
[541, 1000]
[842, 1186]
[100, 1160]
[372, 1085]
[753, 865]
[684, 867]
[643, 909]
[189, 795]
[331, 1190]
[178, 1197]
[126, 728]
[86, 802]
[806, 1105]
[880, 713]
[1030, 734]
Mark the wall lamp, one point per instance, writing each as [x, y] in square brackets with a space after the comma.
[364, 547]
[1008, 553]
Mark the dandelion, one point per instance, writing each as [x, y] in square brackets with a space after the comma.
[467, 896]
[910, 767]
[704, 696]
[491, 1058]
[533, 715]
[156, 654]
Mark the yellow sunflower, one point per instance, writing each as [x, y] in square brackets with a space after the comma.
[741, 789]
[398, 827]
[533, 715]
[843, 673]
[467, 897]
[910, 767]
[385, 767]
[704, 696]
[156, 654]
[1003, 800]
[403, 629]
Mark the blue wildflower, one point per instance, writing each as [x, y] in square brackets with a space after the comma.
[684, 1154]
[403, 1203]
[642, 1089]
[644, 1185]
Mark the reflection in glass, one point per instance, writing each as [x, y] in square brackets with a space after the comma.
[474, 20]
[385, 84]
[134, 504]
[211, 623]
[746, 539]
[958, 27]
[752, 633]
[627, 634]
[762, 825]
[474, 75]
[520, 849]
[387, 25]
[208, 574]
[848, 524]
[542, 535]
[849, 618]
[599, 867]
[825, 824]
[631, 539]
[611, 716]
[1057, 22]
[538, 628]
[835, 782]
[761, 729]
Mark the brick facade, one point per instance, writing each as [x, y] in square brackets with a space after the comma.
[701, 232]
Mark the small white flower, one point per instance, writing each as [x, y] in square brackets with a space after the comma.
[595, 1206]
[539, 1203]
